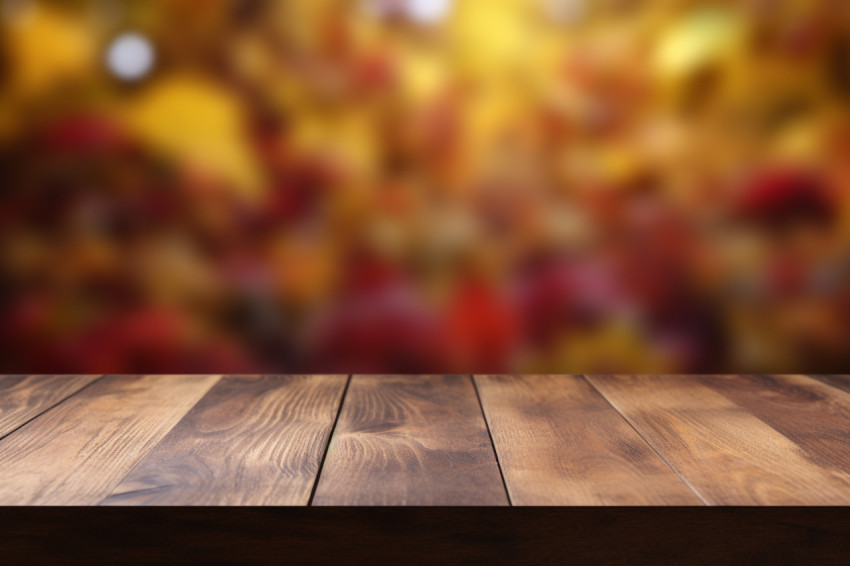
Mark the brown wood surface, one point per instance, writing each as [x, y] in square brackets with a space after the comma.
[76, 453]
[813, 415]
[560, 443]
[840, 381]
[252, 440]
[24, 397]
[410, 440]
[725, 453]
[424, 440]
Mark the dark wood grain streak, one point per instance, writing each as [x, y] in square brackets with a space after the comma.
[813, 415]
[410, 440]
[252, 440]
[24, 397]
[560, 443]
[840, 381]
[724, 452]
[78, 452]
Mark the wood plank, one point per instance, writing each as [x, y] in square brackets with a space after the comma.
[410, 440]
[726, 454]
[78, 452]
[813, 415]
[252, 440]
[24, 397]
[840, 381]
[560, 443]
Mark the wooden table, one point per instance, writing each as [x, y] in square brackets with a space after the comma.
[424, 440]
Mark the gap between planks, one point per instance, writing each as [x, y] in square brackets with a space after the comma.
[728, 454]
[410, 440]
[27, 397]
[76, 453]
[328, 442]
[646, 440]
[252, 440]
[492, 442]
[561, 443]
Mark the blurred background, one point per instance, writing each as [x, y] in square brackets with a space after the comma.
[424, 186]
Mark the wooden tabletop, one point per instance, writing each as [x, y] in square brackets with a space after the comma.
[424, 440]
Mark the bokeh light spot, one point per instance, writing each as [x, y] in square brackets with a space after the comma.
[131, 57]
[428, 11]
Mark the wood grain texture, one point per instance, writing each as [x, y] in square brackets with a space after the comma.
[813, 415]
[78, 452]
[410, 440]
[725, 453]
[839, 381]
[252, 440]
[560, 443]
[24, 397]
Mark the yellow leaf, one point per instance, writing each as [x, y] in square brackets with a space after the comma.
[700, 38]
[198, 125]
[47, 47]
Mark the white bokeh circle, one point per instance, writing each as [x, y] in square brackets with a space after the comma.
[130, 56]
[428, 11]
